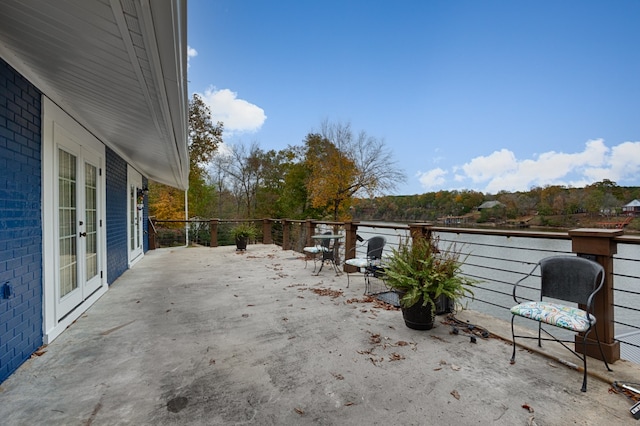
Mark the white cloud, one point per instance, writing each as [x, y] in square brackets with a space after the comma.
[433, 179]
[191, 53]
[482, 168]
[237, 115]
[501, 170]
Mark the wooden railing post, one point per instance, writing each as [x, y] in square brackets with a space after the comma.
[286, 231]
[420, 230]
[310, 227]
[350, 241]
[267, 238]
[599, 245]
[213, 228]
[152, 234]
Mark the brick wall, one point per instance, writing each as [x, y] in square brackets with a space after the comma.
[116, 187]
[20, 219]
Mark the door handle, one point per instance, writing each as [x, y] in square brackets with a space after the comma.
[83, 234]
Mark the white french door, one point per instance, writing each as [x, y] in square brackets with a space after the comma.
[135, 215]
[78, 215]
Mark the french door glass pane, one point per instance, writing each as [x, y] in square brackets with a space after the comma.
[67, 222]
[132, 217]
[91, 218]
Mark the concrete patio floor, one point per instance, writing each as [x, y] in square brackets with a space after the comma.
[208, 336]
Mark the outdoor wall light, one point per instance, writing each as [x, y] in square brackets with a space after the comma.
[143, 191]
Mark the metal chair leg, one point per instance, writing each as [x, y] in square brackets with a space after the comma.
[513, 339]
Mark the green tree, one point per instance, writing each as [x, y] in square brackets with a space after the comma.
[204, 139]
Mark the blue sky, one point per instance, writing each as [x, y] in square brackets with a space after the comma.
[478, 95]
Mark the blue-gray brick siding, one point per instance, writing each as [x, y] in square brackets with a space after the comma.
[20, 219]
[116, 187]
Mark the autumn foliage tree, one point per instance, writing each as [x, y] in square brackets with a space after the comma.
[343, 165]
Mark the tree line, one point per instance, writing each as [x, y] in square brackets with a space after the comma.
[604, 198]
[318, 179]
[338, 174]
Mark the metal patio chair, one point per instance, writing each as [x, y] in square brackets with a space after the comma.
[565, 279]
[371, 264]
[315, 252]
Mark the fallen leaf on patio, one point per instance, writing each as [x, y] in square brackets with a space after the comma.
[455, 367]
[402, 343]
[348, 404]
[443, 362]
[375, 338]
[437, 369]
[532, 421]
[455, 394]
[395, 357]
[299, 411]
[251, 305]
[527, 407]
[327, 292]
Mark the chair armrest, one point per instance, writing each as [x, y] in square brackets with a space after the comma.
[515, 286]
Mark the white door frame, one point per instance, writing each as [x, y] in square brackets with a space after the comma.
[61, 132]
[135, 235]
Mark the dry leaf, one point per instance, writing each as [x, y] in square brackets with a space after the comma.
[455, 367]
[348, 404]
[299, 411]
[395, 357]
[455, 394]
[527, 407]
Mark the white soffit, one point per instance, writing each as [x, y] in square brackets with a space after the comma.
[117, 66]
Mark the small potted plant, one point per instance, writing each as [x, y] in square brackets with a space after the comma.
[422, 274]
[242, 233]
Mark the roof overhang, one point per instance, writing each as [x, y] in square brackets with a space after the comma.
[118, 67]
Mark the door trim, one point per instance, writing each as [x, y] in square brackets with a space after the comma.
[54, 117]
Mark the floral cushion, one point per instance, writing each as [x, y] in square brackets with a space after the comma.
[573, 319]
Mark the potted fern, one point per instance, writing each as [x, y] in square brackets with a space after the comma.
[242, 233]
[422, 274]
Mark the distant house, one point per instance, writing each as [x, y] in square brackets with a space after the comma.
[632, 208]
[489, 205]
[93, 103]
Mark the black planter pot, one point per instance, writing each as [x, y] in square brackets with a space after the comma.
[419, 317]
[444, 305]
[241, 243]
